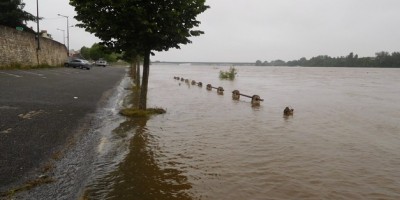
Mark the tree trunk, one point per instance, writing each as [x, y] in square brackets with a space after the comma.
[145, 81]
[133, 68]
[138, 71]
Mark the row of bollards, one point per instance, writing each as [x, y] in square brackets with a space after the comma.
[255, 99]
[200, 84]
[220, 90]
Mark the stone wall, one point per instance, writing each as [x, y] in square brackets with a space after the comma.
[18, 48]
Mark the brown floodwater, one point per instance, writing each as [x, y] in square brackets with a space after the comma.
[343, 141]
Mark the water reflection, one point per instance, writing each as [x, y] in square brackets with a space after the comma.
[139, 175]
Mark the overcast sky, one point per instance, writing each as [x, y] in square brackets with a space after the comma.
[250, 30]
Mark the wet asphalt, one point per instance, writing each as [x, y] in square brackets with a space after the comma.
[40, 110]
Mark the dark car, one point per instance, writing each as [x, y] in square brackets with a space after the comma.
[80, 63]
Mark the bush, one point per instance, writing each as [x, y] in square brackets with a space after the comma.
[230, 74]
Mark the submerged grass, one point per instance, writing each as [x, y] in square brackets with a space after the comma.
[134, 111]
[137, 113]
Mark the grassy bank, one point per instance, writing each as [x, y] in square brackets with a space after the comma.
[134, 112]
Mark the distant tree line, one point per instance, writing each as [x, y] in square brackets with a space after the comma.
[97, 52]
[381, 59]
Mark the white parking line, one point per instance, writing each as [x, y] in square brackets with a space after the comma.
[58, 71]
[11, 74]
[37, 74]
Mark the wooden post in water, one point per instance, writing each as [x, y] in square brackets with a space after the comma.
[193, 82]
[220, 90]
[200, 84]
[182, 79]
[235, 95]
[209, 87]
[288, 111]
[256, 100]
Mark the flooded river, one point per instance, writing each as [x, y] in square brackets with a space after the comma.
[343, 141]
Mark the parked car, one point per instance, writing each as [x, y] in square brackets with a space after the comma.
[80, 63]
[101, 63]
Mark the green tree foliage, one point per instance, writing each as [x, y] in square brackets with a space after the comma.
[381, 59]
[230, 74]
[112, 57]
[13, 15]
[141, 26]
[97, 51]
[85, 53]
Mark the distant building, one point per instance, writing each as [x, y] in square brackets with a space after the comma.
[75, 54]
[44, 34]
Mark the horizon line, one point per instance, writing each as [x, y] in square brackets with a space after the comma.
[157, 61]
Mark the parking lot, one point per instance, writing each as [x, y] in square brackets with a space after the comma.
[40, 109]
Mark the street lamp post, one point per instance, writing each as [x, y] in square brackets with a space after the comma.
[63, 34]
[67, 31]
[37, 23]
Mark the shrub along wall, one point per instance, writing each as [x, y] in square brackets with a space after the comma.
[18, 48]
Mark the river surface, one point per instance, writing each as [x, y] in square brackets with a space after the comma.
[343, 141]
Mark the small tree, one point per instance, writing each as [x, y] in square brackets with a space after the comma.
[13, 15]
[142, 25]
[85, 53]
[230, 74]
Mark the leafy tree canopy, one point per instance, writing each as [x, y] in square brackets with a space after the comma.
[145, 25]
[13, 15]
[140, 26]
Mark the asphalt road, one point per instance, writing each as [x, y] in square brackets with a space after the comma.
[41, 109]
